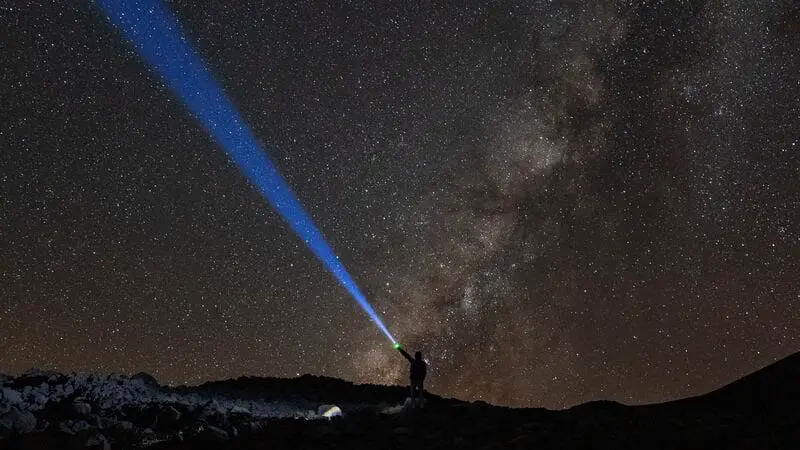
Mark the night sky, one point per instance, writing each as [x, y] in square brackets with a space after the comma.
[556, 202]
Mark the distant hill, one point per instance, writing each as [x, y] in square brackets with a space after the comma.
[775, 389]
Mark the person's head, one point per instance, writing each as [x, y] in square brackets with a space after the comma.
[418, 355]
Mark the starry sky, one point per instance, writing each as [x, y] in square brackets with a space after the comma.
[556, 201]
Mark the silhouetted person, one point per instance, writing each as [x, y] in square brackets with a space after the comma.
[419, 368]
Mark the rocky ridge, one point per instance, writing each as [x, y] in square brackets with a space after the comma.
[50, 410]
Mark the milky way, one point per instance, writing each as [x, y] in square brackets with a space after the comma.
[555, 202]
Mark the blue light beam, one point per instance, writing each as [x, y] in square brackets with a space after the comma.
[156, 34]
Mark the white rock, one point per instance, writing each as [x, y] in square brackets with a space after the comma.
[329, 411]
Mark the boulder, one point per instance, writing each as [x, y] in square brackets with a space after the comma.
[66, 427]
[74, 427]
[146, 379]
[161, 418]
[81, 425]
[212, 433]
[240, 410]
[124, 425]
[10, 396]
[82, 408]
[169, 415]
[17, 421]
[98, 442]
[212, 414]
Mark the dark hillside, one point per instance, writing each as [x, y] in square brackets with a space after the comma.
[755, 412]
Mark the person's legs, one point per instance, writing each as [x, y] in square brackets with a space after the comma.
[415, 392]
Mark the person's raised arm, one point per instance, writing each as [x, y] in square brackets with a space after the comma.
[408, 357]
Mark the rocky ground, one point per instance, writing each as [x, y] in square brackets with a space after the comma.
[49, 410]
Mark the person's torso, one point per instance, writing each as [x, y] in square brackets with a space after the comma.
[418, 369]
